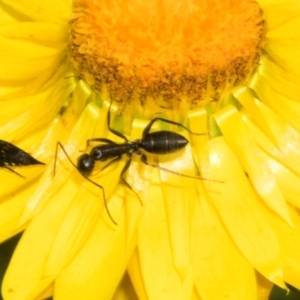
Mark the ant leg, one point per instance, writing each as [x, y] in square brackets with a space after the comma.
[103, 140]
[104, 199]
[88, 142]
[148, 127]
[64, 150]
[144, 160]
[111, 162]
[13, 171]
[124, 180]
[115, 132]
[96, 184]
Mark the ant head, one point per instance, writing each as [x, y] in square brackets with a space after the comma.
[85, 164]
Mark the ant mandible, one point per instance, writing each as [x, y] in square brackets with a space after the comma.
[158, 142]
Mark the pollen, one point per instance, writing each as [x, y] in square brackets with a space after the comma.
[180, 54]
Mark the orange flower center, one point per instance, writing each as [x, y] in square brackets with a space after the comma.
[178, 55]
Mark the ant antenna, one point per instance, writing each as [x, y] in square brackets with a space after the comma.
[144, 160]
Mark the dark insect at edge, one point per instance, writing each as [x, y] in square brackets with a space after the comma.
[158, 142]
[11, 155]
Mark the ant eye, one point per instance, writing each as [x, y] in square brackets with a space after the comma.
[85, 164]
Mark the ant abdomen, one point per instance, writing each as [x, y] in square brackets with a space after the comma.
[163, 142]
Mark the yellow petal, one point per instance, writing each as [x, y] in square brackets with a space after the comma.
[286, 29]
[198, 124]
[278, 12]
[89, 119]
[34, 59]
[33, 250]
[287, 138]
[216, 260]
[102, 259]
[178, 254]
[288, 181]
[154, 242]
[20, 121]
[47, 293]
[280, 164]
[285, 108]
[283, 83]
[57, 34]
[245, 97]
[6, 16]
[241, 141]
[179, 194]
[289, 239]
[11, 210]
[78, 219]
[241, 211]
[136, 276]
[12, 207]
[47, 226]
[195, 296]
[46, 11]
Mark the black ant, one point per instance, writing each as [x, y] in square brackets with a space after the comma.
[11, 155]
[158, 142]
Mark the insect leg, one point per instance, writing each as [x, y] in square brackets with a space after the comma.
[103, 140]
[96, 184]
[124, 180]
[104, 199]
[115, 132]
[148, 127]
[13, 171]
[112, 161]
[144, 160]
[62, 147]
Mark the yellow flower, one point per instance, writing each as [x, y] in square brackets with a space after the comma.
[226, 68]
